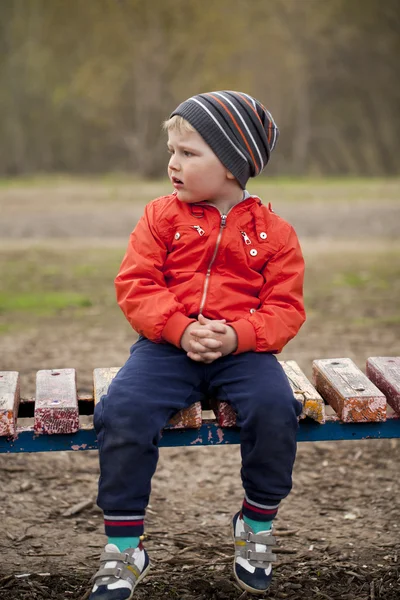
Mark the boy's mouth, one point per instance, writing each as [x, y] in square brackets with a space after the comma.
[176, 181]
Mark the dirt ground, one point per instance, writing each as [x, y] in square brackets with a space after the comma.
[338, 531]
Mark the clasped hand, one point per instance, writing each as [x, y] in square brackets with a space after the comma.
[206, 340]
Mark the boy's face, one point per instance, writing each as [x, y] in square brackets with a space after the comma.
[195, 171]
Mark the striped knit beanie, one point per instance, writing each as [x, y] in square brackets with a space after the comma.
[240, 131]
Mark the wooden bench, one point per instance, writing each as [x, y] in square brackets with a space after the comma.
[342, 403]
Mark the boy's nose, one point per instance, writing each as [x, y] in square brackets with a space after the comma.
[174, 163]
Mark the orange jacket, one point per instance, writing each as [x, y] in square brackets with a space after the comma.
[185, 259]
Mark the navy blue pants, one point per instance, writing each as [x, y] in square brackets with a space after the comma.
[157, 381]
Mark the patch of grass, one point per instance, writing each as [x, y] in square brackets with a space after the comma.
[40, 283]
[351, 279]
[361, 279]
[43, 269]
[85, 270]
[57, 180]
[377, 321]
[123, 187]
[355, 290]
[331, 190]
[360, 289]
[45, 303]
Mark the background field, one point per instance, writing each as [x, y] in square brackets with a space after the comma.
[61, 242]
[84, 88]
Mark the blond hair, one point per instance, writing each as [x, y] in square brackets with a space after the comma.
[177, 123]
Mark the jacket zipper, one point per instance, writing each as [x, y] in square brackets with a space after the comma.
[246, 238]
[207, 279]
[199, 230]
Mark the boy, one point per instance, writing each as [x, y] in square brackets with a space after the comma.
[212, 281]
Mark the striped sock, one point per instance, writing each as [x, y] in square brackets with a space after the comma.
[123, 543]
[259, 512]
[126, 525]
[258, 526]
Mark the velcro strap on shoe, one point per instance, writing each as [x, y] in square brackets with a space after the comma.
[121, 557]
[258, 538]
[114, 572]
[261, 557]
[127, 573]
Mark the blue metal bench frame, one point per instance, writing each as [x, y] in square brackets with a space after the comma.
[209, 434]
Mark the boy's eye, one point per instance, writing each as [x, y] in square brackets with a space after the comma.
[187, 153]
[170, 151]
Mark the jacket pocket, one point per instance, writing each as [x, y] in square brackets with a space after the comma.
[188, 249]
[257, 256]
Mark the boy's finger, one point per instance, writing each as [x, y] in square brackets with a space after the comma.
[217, 326]
[196, 357]
[204, 345]
[203, 334]
[204, 321]
[197, 347]
[208, 357]
[209, 330]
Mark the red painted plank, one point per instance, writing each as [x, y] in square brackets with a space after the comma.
[384, 372]
[9, 402]
[56, 405]
[350, 393]
[225, 414]
[189, 418]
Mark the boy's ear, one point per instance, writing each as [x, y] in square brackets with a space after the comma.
[229, 175]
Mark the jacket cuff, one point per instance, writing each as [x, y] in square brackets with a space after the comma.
[174, 328]
[246, 336]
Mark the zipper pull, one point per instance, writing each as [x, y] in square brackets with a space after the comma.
[223, 220]
[246, 238]
[199, 230]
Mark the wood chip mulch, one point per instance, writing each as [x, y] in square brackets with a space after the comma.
[303, 581]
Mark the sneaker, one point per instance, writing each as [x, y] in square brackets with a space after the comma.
[119, 573]
[253, 557]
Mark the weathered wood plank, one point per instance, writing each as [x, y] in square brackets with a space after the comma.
[101, 381]
[384, 372]
[304, 391]
[190, 418]
[185, 419]
[225, 414]
[9, 402]
[350, 393]
[56, 404]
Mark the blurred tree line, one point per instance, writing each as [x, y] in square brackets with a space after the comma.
[85, 84]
